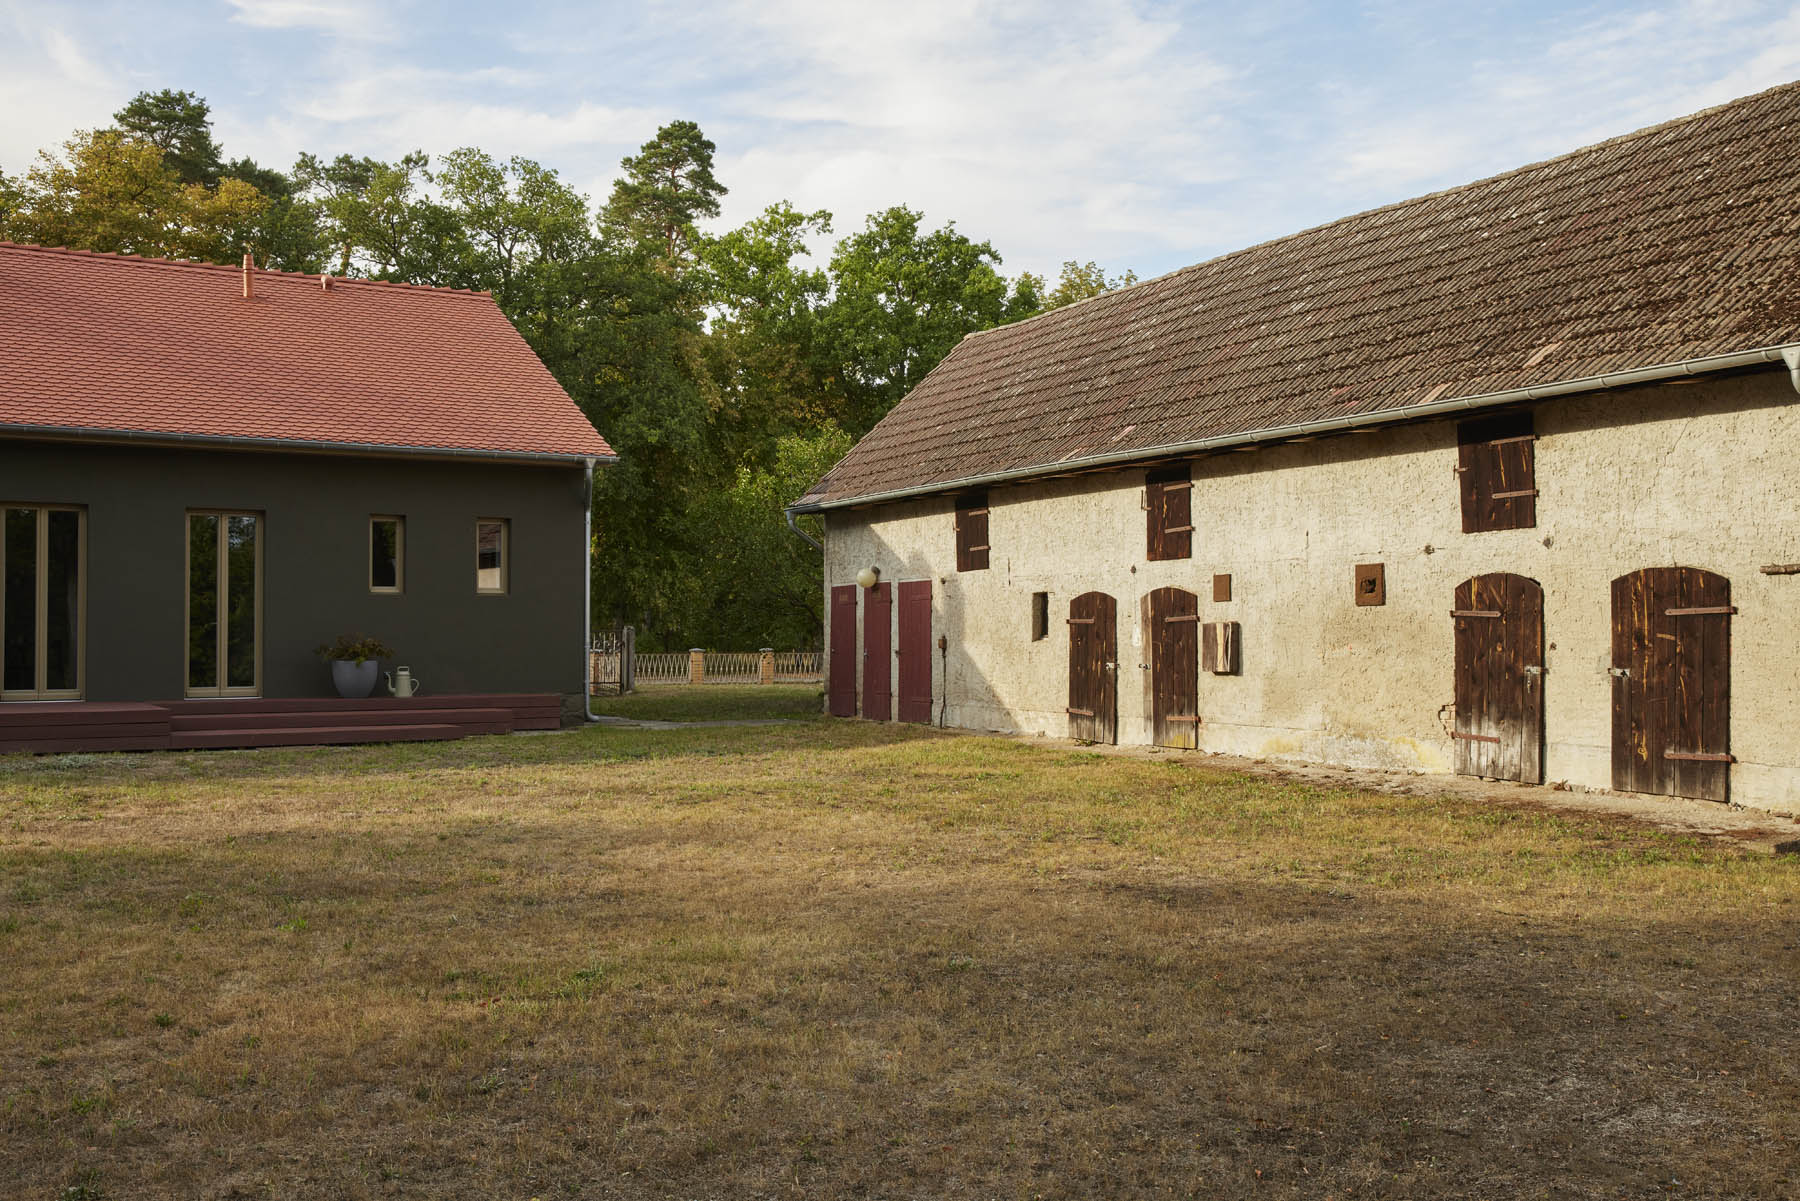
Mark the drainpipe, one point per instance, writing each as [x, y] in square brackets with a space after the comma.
[819, 546]
[587, 591]
[1789, 355]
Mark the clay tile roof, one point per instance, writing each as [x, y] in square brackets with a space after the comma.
[1673, 243]
[117, 344]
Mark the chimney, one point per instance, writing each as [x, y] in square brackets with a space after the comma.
[249, 266]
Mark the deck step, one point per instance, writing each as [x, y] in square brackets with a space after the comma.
[311, 736]
[474, 721]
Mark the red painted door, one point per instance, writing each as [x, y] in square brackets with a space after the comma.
[878, 653]
[915, 651]
[841, 690]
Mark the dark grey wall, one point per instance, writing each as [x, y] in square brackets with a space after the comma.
[316, 511]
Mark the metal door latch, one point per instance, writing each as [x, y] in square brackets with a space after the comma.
[1623, 673]
[1533, 671]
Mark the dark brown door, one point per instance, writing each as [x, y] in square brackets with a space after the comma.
[1500, 678]
[915, 651]
[878, 653]
[1672, 682]
[1174, 668]
[1093, 668]
[841, 691]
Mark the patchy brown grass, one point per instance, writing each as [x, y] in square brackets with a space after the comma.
[835, 959]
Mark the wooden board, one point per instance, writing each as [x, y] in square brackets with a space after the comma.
[1672, 683]
[1497, 468]
[1093, 668]
[841, 687]
[1499, 732]
[1168, 505]
[915, 651]
[1174, 670]
[878, 653]
[972, 532]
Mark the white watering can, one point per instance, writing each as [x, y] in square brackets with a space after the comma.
[401, 682]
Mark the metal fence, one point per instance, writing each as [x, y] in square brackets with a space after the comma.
[614, 664]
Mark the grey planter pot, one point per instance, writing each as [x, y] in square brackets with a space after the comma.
[355, 680]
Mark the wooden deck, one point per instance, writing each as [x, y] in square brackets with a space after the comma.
[50, 727]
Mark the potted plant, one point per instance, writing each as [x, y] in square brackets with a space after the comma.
[355, 663]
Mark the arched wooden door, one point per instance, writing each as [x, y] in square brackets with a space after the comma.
[1672, 682]
[1093, 668]
[1500, 678]
[1174, 668]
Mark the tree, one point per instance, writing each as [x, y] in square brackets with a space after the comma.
[288, 237]
[765, 583]
[512, 215]
[667, 187]
[763, 346]
[108, 192]
[378, 219]
[903, 300]
[179, 124]
[1082, 281]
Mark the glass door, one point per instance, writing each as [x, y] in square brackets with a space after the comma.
[224, 604]
[43, 600]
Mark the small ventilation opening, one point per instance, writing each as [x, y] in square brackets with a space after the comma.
[1040, 616]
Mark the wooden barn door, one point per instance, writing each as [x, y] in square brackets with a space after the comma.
[1174, 668]
[915, 651]
[1093, 668]
[1672, 682]
[878, 653]
[841, 690]
[1500, 678]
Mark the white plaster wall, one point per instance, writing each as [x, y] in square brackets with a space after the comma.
[1703, 475]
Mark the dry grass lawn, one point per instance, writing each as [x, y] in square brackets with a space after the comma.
[842, 960]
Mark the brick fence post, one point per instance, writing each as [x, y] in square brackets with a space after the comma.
[696, 665]
[765, 667]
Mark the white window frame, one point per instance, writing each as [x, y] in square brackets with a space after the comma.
[505, 525]
[41, 648]
[399, 584]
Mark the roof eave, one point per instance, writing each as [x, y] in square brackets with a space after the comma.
[1786, 353]
[65, 433]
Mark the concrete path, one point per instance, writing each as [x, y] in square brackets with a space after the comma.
[645, 723]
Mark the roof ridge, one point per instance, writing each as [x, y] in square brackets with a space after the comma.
[1485, 180]
[150, 260]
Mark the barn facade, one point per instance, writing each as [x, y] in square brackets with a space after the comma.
[1499, 481]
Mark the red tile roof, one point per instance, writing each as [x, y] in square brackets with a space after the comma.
[1674, 243]
[113, 343]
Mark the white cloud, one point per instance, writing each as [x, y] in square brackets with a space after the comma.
[350, 21]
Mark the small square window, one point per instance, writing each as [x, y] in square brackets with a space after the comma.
[1040, 616]
[387, 554]
[491, 538]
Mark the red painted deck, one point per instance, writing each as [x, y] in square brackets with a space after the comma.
[46, 727]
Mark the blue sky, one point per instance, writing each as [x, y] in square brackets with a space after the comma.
[1139, 135]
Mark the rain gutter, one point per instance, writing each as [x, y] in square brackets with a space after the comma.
[1788, 354]
[72, 433]
[587, 591]
[816, 544]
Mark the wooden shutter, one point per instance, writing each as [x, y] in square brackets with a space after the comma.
[1671, 679]
[915, 650]
[972, 532]
[841, 688]
[1168, 514]
[1496, 466]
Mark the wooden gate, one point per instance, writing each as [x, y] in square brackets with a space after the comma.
[1093, 668]
[1672, 682]
[1500, 678]
[915, 651]
[841, 689]
[1174, 668]
[878, 653]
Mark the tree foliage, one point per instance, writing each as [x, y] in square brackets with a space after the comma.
[729, 370]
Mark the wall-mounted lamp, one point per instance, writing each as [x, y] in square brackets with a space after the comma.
[868, 576]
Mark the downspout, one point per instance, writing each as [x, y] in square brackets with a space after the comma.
[1789, 355]
[820, 547]
[587, 592]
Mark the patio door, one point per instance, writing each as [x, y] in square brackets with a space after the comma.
[43, 593]
[224, 604]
